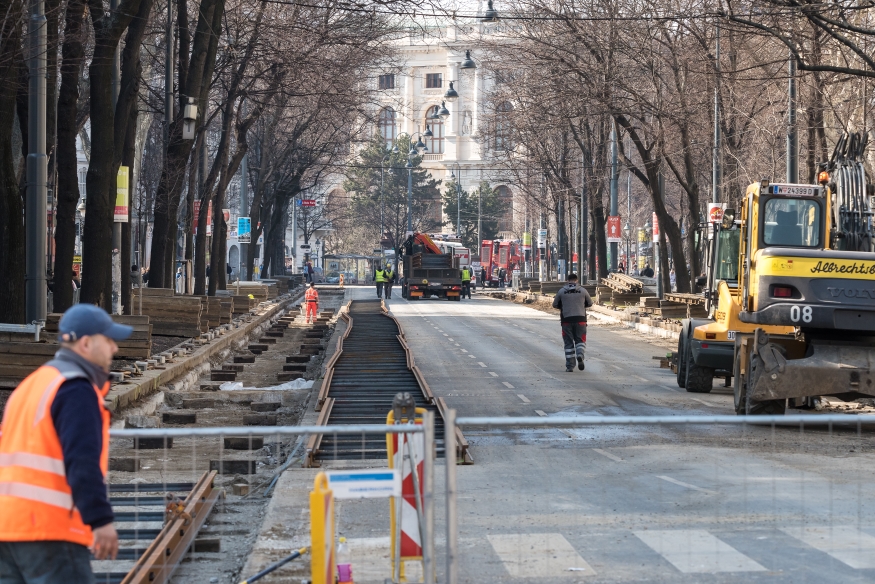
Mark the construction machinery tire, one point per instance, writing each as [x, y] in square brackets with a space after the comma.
[699, 379]
[682, 361]
[770, 407]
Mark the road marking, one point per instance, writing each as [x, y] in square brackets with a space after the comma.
[481, 363]
[607, 454]
[669, 388]
[507, 385]
[695, 551]
[464, 350]
[493, 373]
[472, 356]
[703, 402]
[639, 378]
[451, 340]
[846, 544]
[458, 345]
[524, 398]
[446, 335]
[538, 555]
[541, 413]
[685, 485]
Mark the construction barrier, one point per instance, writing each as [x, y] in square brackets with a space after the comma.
[322, 556]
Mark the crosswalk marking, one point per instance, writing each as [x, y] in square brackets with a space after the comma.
[539, 555]
[846, 544]
[695, 551]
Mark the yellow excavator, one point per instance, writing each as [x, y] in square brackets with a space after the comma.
[793, 317]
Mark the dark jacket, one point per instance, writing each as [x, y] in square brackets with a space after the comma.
[572, 300]
[76, 415]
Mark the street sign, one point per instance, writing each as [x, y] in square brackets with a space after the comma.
[365, 484]
[542, 238]
[305, 246]
[306, 202]
[655, 229]
[614, 229]
[244, 229]
[715, 212]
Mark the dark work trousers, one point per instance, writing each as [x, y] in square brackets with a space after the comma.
[466, 288]
[380, 289]
[45, 562]
[574, 338]
[389, 289]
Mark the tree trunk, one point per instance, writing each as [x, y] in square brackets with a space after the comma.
[598, 227]
[73, 54]
[12, 235]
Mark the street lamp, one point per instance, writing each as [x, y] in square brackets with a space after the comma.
[458, 181]
[468, 63]
[382, 170]
[443, 113]
[416, 149]
[491, 15]
[451, 95]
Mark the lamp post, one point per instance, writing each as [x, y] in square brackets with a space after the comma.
[393, 150]
[416, 149]
[627, 229]
[648, 234]
[80, 208]
[458, 180]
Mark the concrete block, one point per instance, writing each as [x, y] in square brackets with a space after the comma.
[298, 359]
[124, 464]
[236, 367]
[299, 367]
[264, 406]
[153, 443]
[220, 375]
[198, 403]
[240, 489]
[179, 417]
[259, 420]
[258, 347]
[233, 466]
[244, 358]
[142, 422]
[244, 442]
[267, 341]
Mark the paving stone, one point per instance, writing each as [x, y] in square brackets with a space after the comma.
[179, 417]
[244, 442]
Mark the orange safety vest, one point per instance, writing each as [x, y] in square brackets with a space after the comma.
[311, 295]
[36, 502]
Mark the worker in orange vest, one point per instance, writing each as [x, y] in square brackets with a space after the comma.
[54, 458]
[311, 299]
[341, 280]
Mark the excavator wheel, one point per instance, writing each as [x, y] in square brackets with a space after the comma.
[682, 361]
[771, 407]
[699, 379]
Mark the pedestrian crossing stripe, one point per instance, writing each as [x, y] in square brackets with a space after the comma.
[695, 551]
[539, 555]
[847, 544]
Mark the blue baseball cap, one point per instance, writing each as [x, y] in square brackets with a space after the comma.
[87, 319]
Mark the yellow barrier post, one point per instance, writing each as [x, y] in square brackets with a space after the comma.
[406, 533]
[322, 531]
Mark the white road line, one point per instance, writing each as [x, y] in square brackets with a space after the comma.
[481, 363]
[703, 402]
[639, 378]
[472, 356]
[446, 335]
[464, 350]
[507, 385]
[493, 373]
[685, 485]
[607, 454]
[669, 388]
[846, 544]
[695, 551]
[524, 398]
[541, 413]
[458, 345]
[539, 555]
[451, 340]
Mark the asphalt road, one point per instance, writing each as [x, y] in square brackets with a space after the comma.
[674, 503]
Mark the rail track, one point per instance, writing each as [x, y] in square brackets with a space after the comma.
[183, 514]
[371, 365]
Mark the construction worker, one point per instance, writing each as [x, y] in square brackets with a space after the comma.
[380, 279]
[340, 280]
[466, 282]
[390, 280]
[311, 299]
[54, 458]
[572, 300]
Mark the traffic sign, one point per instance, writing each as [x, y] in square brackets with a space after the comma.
[305, 202]
[365, 484]
[305, 246]
[614, 229]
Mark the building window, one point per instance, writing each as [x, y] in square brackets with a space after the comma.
[501, 137]
[434, 80]
[388, 130]
[505, 221]
[387, 81]
[435, 144]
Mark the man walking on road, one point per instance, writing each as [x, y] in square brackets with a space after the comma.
[380, 279]
[311, 299]
[572, 300]
[390, 280]
[466, 282]
[54, 458]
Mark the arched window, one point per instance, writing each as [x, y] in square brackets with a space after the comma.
[436, 142]
[505, 220]
[501, 137]
[388, 129]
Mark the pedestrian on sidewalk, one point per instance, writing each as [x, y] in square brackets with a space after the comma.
[54, 458]
[380, 280]
[311, 299]
[390, 280]
[572, 300]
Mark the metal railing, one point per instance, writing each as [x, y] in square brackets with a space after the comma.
[588, 478]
